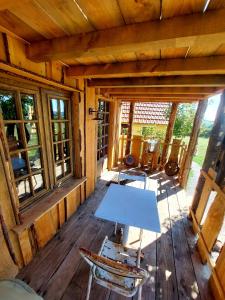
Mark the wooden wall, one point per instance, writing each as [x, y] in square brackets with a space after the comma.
[41, 224]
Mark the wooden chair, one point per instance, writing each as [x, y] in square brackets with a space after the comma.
[133, 174]
[116, 268]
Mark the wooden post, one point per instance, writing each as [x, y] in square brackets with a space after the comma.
[213, 150]
[169, 133]
[202, 105]
[130, 125]
[220, 166]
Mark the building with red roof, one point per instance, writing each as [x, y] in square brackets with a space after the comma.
[146, 114]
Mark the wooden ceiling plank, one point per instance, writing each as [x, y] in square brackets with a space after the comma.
[35, 17]
[102, 13]
[163, 67]
[193, 30]
[166, 81]
[67, 15]
[139, 11]
[174, 8]
[17, 27]
[159, 91]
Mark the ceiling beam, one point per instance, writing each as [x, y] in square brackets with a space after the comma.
[158, 91]
[157, 96]
[154, 67]
[164, 81]
[156, 100]
[182, 31]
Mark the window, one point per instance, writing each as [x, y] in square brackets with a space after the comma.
[61, 136]
[19, 112]
[103, 129]
[24, 124]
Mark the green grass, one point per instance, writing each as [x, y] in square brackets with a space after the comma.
[201, 149]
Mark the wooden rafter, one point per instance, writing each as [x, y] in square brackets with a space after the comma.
[193, 30]
[159, 91]
[154, 67]
[158, 96]
[179, 100]
[164, 81]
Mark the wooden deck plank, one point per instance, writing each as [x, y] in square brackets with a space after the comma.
[58, 272]
[186, 280]
[166, 284]
[202, 271]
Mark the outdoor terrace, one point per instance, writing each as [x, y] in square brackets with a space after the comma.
[58, 271]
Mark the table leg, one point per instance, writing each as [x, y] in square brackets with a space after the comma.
[125, 235]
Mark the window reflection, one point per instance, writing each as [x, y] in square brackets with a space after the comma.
[28, 108]
[34, 159]
[23, 189]
[8, 105]
[54, 109]
[19, 164]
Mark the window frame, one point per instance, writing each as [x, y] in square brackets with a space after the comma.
[105, 125]
[41, 97]
[60, 96]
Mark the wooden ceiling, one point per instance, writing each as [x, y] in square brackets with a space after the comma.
[166, 39]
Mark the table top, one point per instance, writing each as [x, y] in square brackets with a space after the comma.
[130, 206]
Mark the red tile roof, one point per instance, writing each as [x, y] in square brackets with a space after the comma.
[146, 113]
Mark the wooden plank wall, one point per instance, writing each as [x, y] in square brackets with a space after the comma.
[209, 229]
[27, 242]
[34, 237]
[91, 140]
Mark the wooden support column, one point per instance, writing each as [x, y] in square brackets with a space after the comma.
[169, 133]
[202, 105]
[220, 166]
[213, 150]
[114, 133]
[130, 125]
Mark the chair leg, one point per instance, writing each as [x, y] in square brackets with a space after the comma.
[115, 229]
[139, 293]
[89, 286]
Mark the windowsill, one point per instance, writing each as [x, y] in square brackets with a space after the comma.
[46, 203]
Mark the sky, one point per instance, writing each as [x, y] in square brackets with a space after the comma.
[211, 110]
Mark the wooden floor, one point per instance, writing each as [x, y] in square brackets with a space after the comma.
[58, 272]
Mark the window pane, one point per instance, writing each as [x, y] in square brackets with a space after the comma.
[67, 167]
[19, 164]
[23, 189]
[59, 171]
[63, 109]
[31, 134]
[56, 132]
[65, 130]
[8, 106]
[54, 109]
[34, 159]
[14, 136]
[28, 107]
[66, 149]
[38, 182]
[58, 152]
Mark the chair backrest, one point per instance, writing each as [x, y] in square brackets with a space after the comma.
[133, 174]
[114, 267]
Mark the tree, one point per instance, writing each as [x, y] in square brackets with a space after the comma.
[184, 119]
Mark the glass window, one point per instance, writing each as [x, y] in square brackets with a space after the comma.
[61, 137]
[23, 121]
[103, 129]
[23, 142]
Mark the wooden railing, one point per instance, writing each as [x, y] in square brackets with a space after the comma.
[137, 150]
[209, 230]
